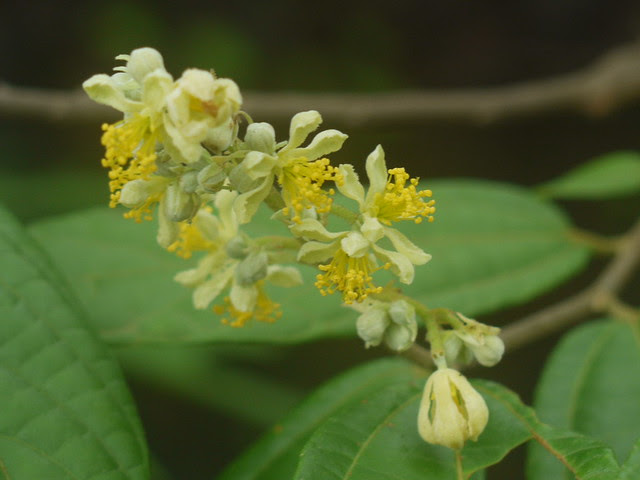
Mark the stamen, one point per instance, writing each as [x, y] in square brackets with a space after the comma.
[349, 275]
[302, 182]
[403, 202]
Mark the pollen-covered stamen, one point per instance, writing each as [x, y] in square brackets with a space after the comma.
[302, 182]
[190, 239]
[401, 200]
[350, 275]
[130, 154]
[265, 310]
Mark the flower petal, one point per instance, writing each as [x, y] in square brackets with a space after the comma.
[400, 264]
[302, 124]
[324, 143]
[102, 89]
[246, 205]
[377, 173]
[314, 230]
[283, 276]
[351, 187]
[316, 252]
[355, 244]
[243, 297]
[406, 247]
[207, 292]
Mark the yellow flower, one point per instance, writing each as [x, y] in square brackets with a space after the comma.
[352, 255]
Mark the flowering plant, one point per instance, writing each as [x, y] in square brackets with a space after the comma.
[244, 214]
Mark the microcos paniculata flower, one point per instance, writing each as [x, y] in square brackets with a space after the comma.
[231, 261]
[349, 258]
[165, 125]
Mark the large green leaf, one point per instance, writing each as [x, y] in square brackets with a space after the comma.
[275, 456]
[493, 245]
[66, 412]
[378, 440]
[610, 175]
[590, 385]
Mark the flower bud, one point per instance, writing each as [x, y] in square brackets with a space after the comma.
[211, 178]
[252, 269]
[136, 192]
[488, 351]
[371, 326]
[189, 182]
[142, 62]
[451, 411]
[179, 204]
[237, 248]
[403, 329]
[261, 137]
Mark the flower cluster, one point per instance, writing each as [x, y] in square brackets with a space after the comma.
[182, 152]
[179, 151]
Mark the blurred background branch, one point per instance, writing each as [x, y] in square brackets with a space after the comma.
[608, 83]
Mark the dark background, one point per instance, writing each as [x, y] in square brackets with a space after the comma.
[48, 168]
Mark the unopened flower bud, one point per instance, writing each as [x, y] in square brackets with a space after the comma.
[189, 182]
[142, 62]
[211, 178]
[252, 269]
[451, 410]
[179, 204]
[403, 328]
[237, 248]
[136, 192]
[488, 351]
[371, 326]
[261, 137]
[241, 180]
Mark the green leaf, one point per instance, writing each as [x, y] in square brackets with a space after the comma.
[66, 412]
[610, 175]
[590, 386]
[197, 371]
[378, 440]
[275, 456]
[631, 467]
[493, 245]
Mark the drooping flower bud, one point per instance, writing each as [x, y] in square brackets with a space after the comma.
[371, 326]
[451, 410]
[179, 204]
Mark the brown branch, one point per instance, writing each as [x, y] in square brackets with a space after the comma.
[595, 298]
[610, 82]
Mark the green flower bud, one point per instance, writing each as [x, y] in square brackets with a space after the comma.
[261, 137]
[252, 269]
[371, 326]
[211, 178]
[179, 204]
[167, 230]
[189, 182]
[237, 248]
[451, 411]
[403, 329]
[136, 192]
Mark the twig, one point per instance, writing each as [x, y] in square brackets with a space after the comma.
[593, 299]
[610, 82]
